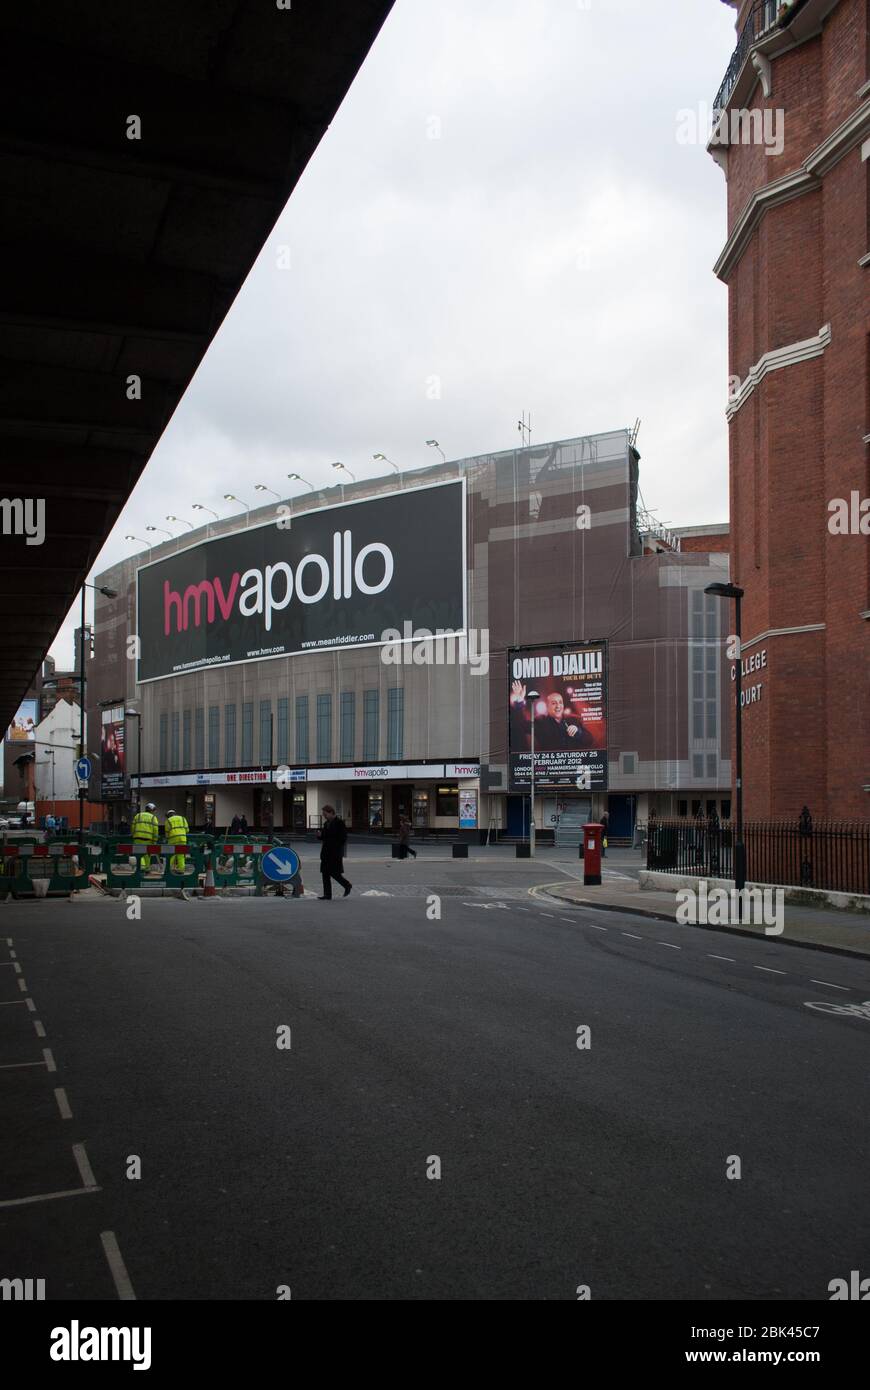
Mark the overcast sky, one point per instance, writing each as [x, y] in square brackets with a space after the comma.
[502, 204]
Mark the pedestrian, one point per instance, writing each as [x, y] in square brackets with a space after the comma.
[243, 825]
[146, 830]
[405, 838]
[50, 823]
[177, 833]
[236, 825]
[333, 838]
[605, 822]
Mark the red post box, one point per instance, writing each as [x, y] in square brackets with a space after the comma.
[592, 837]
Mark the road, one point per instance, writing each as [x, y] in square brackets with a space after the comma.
[413, 1037]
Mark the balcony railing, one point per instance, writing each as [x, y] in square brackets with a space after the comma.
[762, 17]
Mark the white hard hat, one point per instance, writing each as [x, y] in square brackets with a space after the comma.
[150, 806]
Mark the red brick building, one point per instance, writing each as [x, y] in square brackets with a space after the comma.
[793, 139]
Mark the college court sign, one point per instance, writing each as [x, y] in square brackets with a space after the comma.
[335, 577]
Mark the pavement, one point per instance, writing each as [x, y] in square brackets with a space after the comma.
[440, 1126]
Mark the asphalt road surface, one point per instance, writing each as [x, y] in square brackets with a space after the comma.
[433, 1024]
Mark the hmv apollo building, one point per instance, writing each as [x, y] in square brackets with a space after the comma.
[386, 647]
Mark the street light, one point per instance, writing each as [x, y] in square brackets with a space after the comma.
[261, 487]
[732, 591]
[181, 521]
[382, 458]
[228, 497]
[108, 593]
[198, 507]
[162, 532]
[345, 470]
[136, 714]
[139, 541]
[433, 444]
[298, 478]
[532, 696]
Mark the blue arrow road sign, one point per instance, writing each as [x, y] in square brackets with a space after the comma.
[280, 864]
[83, 769]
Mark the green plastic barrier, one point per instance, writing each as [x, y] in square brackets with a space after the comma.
[60, 866]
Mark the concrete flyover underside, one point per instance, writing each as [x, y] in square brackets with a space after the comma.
[122, 256]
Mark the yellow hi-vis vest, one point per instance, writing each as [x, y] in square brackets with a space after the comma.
[177, 830]
[146, 829]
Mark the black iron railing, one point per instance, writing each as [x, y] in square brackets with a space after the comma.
[802, 853]
[761, 18]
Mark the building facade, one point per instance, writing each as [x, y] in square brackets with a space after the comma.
[527, 551]
[793, 138]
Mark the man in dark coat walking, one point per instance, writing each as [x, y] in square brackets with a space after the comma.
[333, 838]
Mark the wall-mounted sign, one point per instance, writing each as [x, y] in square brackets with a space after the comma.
[336, 577]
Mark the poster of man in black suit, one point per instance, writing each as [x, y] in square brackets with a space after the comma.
[569, 713]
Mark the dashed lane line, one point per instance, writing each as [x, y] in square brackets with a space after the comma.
[29, 1002]
[40, 1031]
[831, 985]
[62, 1103]
[713, 956]
[631, 936]
[770, 970]
[22, 984]
[117, 1267]
[49, 1059]
[670, 945]
[84, 1167]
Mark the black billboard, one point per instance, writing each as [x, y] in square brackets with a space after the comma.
[562, 689]
[339, 576]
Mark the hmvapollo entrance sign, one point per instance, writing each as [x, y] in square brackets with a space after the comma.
[335, 577]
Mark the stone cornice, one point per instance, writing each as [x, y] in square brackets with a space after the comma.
[774, 360]
[806, 179]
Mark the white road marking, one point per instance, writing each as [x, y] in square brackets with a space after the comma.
[117, 1267]
[9, 941]
[715, 957]
[524, 909]
[566, 919]
[62, 1103]
[669, 944]
[12, 1066]
[13, 954]
[13, 1001]
[548, 914]
[49, 1060]
[830, 985]
[40, 1031]
[49, 1196]
[85, 1169]
[15, 966]
[596, 927]
[632, 935]
[769, 968]
[22, 985]
[29, 1002]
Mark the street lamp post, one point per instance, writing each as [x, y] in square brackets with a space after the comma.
[532, 697]
[229, 497]
[261, 487]
[382, 458]
[732, 591]
[298, 478]
[340, 465]
[181, 521]
[162, 532]
[198, 507]
[433, 444]
[136, 714]
[108, 593]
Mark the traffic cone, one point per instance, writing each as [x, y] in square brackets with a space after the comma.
[208, 888]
